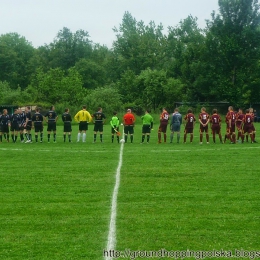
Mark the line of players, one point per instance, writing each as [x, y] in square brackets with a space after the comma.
[22, 122]
[244, 123]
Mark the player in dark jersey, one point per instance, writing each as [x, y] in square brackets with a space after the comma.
[37, 124]
[99, 119]
[164, 119]
[4, 125]
[239, 123]
[215, 121]
[22, 120]
[14, 128]
[28, 124]
[66, 118]
[190, 122]
[51, 118]
[204, 127]
[248, 126]
[231, 119]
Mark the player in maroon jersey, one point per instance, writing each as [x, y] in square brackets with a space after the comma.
[251, 111]
[164, 118]
[190, 122]
[248, 126]
[215, 121]
[204, 127]
[231, 118]
[239, 122]
[227, 135]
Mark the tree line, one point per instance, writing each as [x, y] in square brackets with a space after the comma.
[144, 68]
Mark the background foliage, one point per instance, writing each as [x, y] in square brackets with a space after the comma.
[144, 68]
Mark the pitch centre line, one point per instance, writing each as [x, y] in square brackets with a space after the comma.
[111, 240]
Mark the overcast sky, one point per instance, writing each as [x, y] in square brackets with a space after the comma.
[39, 21]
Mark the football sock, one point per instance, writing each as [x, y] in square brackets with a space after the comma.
[143, 136]
[159, 137]
[84, 137]
[148, 138]
[131, 138]
[178, 137]
[171, 137]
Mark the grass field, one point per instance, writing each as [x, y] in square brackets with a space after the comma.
[55, 199]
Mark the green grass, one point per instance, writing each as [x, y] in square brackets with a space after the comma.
[55, 198]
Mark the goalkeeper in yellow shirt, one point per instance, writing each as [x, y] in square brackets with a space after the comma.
[83, 117]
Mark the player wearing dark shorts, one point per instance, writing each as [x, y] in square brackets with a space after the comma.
[215, 121]
[83, 117]
[204, 127]
[239, 123]
[37, 120]
[14, 128]
[231, 119]
[66, 118]
[99, 119]
[4, 125]
[248, 126]
[28, 124]
[114, 122]
[164, 119]
[129, 121]
[251, 111]
[22, 120]
[51, 118]
[175, 124]
[190, 122]
[147, 120]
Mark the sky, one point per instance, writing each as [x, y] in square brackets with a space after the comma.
[39, 21]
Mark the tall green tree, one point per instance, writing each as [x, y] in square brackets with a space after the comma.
[56, 86]
[92, 73]
[186, 44]
[15, 55]
[138, 46]
[233, 48]
[68, 48]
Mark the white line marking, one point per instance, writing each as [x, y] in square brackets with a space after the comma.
[111, 239]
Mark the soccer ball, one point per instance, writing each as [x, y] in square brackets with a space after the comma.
[122, 141]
